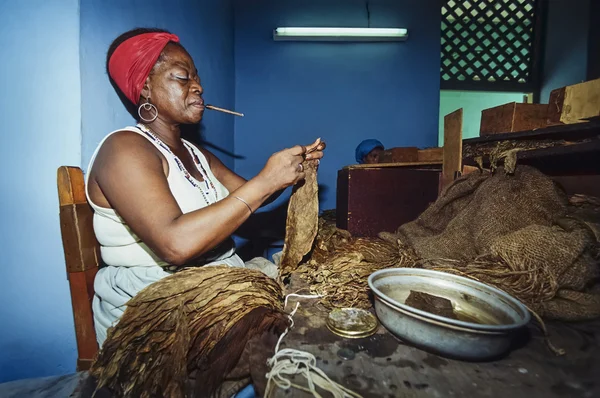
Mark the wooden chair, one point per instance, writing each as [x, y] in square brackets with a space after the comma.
[82, 257]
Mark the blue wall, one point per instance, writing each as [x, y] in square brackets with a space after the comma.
[205, 28]
[294, 92]
[565, 58]
[40, 109]
[58, 104]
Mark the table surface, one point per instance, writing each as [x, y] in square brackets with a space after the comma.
[384, 366]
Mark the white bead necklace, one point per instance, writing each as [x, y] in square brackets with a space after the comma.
[211, 189]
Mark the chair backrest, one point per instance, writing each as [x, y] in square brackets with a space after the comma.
[82, 257]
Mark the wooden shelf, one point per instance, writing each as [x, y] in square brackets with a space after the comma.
[562, 132]
[583, 158]
[388, 165]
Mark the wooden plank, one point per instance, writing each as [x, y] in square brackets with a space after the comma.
[81, 296]
[555, 105]
[513, 117]
[574, 104]
[80, 246]
[71, 186]
[453, 124]
[497, 119]
[576, 150]
[529, 117]
[384, 165]
[82, 258]
[582, 101]
[400, 155]
[581, 158]
[566, 132]
[431, 155]
[341, 199]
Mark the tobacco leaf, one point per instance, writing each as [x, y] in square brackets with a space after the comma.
[302, 221]
[341, 264]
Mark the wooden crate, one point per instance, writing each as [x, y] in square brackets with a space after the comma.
[513, 117]
[399, 155]
[373, 200]
[431, 155]
[574, 104]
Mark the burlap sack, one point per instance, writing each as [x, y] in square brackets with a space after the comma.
[515, 232]
[479, 208]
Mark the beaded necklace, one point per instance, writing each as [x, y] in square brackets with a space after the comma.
[191, 179]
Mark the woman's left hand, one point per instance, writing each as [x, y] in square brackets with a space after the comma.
[314, 151]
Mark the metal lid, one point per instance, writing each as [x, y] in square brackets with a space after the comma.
[352, 322]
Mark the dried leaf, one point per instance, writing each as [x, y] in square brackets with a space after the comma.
[184, 323]
[340, 265]
[302, 221]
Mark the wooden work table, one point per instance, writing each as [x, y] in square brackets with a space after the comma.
[383, 366]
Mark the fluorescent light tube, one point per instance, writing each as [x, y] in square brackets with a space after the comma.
[340, 34]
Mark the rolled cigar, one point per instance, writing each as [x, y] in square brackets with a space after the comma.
[216, 108]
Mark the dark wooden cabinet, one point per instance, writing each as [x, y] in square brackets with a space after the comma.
[372, 200]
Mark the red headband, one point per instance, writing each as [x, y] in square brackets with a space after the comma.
[132, 61]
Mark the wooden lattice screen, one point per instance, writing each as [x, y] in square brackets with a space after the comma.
[490, 44]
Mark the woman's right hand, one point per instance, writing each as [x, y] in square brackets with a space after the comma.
[284, 168]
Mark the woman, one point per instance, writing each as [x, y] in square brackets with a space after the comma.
[160, 203]
[368, 151]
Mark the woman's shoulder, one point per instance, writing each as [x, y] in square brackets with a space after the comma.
[127, 141]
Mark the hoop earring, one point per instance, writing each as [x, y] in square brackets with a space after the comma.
[148, 107]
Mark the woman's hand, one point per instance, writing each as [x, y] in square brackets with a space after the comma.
[314, 152]
[285, 168]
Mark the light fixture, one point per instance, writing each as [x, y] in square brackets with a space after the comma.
[340, 34]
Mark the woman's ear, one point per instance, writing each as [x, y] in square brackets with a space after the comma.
[146, 90]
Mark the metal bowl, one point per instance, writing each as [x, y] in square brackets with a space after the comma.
[487, 317]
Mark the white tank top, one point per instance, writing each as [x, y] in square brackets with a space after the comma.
[119, 246]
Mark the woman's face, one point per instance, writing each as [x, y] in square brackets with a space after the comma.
[373, 156]
[174, 87]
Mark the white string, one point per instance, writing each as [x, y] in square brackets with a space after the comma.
[309, 296]
[290, 361]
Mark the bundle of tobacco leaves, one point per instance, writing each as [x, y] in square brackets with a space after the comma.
[197, 321]
[340, 266]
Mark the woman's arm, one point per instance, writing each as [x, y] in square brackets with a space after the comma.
[230, 179]
[129, 173]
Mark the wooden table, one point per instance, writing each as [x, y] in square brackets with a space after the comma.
[383, 366]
